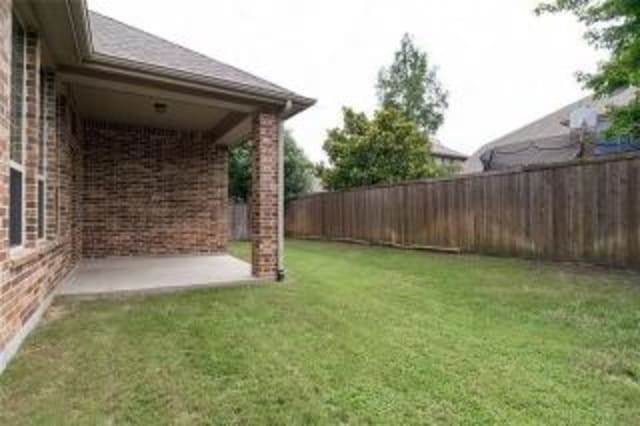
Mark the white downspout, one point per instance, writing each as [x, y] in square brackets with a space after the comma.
[281, 271]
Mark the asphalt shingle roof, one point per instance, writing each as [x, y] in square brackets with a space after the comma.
[443, 151]
[115, 39]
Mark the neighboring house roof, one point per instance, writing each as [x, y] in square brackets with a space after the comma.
[115, 39]
[439, 150]
[540, 151]
[549, 131]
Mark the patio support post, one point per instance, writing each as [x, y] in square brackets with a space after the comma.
[281, 272]
[264, 194]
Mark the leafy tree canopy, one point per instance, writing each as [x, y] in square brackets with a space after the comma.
[298, 170]
[613, 25]
[240, 171]
[388, 148]
[412, 87]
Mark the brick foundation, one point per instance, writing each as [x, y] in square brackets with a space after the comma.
[152, 192]
[264, 195]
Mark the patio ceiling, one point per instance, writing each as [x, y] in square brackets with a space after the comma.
[122, 107]
[121, 99]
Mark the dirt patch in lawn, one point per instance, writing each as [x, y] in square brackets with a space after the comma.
[56, 312]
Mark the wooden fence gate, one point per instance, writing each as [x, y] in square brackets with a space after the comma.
[238, 221]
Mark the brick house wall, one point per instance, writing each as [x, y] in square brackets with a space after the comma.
[29, 277]
[5, 93]
[68, 170]
[6, 324]
[152, 191]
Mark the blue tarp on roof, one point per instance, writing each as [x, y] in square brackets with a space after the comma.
[615, 145]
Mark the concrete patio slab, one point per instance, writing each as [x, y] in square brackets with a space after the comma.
[125, 275]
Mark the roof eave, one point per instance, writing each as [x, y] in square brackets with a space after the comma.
[80, 16]
[300, 103]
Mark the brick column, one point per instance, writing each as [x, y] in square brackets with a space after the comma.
[31, 148]
[264, 195]
[51, 156]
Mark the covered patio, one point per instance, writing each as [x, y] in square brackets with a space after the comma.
[115, 143]
[157, 121]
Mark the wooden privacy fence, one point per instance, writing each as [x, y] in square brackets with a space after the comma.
[238, 221]
[586, 210]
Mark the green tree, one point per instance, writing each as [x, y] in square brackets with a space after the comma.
[613, 25]
[388, 148]
[240, 171]
[411, 86]
[298, 170]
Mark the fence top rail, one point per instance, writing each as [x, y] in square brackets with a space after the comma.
[511, 171]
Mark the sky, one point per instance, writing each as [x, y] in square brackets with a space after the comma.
[502, 65]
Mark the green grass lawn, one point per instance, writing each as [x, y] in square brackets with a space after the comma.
[356, 335]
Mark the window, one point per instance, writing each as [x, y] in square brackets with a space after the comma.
[42, 155]
[42, 136]
[15, 209]
[41, 205]
[16, 164]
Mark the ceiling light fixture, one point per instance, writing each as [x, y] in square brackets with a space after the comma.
[160, 107]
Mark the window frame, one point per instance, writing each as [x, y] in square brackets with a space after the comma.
[19, 166]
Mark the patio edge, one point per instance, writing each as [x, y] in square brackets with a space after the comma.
[124, 293]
